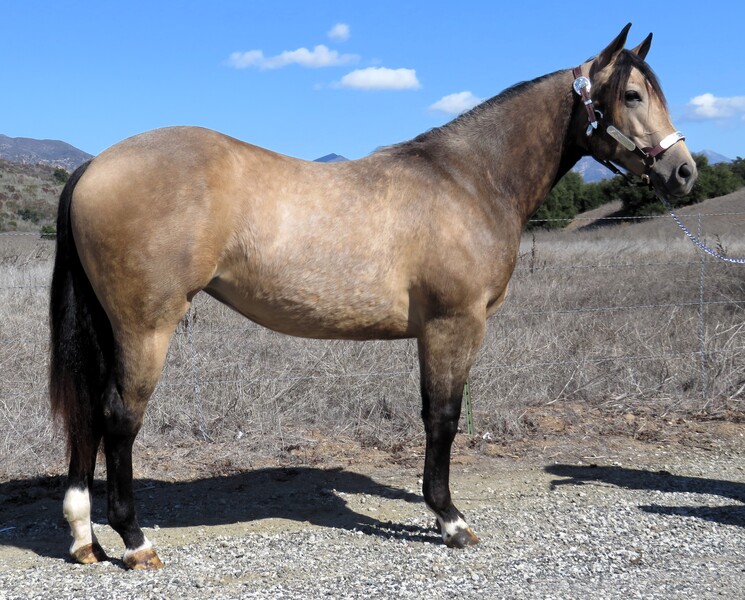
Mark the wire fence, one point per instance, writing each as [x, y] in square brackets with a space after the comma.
[609, 318]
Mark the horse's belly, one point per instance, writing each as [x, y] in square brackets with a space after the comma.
[342, 313]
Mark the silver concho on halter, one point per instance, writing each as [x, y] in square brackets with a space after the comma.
[582, 87]
[582, 83]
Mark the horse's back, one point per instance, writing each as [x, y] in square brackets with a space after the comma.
[347, 250]
[170, 212]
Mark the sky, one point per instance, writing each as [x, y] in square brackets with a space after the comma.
[309, 78]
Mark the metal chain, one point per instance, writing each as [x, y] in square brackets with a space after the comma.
[696, 240]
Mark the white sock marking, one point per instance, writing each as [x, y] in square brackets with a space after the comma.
[77, 510]
[451, 528]
[146, 545]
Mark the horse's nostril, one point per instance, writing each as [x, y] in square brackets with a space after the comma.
[684, 171]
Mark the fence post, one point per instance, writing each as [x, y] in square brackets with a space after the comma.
[201, 423]
[702, 322]
[469, 414]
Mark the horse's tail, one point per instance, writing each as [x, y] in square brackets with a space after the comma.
[81, 344]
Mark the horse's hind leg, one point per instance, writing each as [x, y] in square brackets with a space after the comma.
[77, 504]
[447, 348]
[139, 363]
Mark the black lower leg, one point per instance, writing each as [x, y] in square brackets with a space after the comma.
[440, 430]
[121, 507]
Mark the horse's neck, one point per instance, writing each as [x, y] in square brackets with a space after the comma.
[517, 147]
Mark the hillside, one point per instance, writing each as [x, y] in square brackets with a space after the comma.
[722, 222]
[47, 152]
[28, 195]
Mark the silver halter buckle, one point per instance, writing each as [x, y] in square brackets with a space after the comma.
[582, 87]
[582, 83]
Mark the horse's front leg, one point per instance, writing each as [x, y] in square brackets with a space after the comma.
[447, 348]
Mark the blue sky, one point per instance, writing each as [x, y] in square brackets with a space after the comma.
[311, 78]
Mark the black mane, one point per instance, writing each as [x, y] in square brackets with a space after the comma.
[469, 115]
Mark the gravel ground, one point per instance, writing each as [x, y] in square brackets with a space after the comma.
[640, 522]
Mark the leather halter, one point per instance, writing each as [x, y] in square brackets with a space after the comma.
[648, 155]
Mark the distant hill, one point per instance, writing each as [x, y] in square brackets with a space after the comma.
[722, 221]
[331, 158]
[714, 157]
[29, 151]
[591, 170]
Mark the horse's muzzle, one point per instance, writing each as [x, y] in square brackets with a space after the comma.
[674, 174]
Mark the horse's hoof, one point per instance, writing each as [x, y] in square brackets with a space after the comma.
[145, 558]
[89, 554]
[462, 539]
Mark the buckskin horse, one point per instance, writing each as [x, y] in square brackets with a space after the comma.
[417, 240]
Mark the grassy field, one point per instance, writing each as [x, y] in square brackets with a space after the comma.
[605, 318]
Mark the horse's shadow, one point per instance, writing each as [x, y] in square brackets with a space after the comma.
[662, 481]
[319, 496]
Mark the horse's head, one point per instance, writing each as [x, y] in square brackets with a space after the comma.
[623, 118]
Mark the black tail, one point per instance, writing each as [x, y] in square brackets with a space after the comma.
[81, 343]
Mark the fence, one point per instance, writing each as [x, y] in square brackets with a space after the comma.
[621, 319]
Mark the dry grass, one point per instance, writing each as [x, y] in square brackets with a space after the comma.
[606, 318]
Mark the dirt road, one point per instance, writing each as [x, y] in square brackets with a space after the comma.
[558, 518]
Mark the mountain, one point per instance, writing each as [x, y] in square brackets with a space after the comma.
[331, 158]
[714, 157]
[591, 170]
[46, 152]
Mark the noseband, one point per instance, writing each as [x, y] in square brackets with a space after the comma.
[648, 155]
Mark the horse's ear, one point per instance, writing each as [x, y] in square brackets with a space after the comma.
[642, 49]
[608, 55]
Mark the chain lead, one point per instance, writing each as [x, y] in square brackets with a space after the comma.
[696, 240]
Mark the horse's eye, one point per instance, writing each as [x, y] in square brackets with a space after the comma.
[632, 96]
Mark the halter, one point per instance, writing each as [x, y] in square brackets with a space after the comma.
[582, 87]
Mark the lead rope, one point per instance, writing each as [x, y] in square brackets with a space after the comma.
[695, 239]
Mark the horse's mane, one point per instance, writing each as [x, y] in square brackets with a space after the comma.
[467, 117]
[625, 62]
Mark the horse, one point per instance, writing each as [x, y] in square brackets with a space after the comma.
[416, 240]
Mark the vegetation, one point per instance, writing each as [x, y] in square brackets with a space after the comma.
[604, 322]
[61, 176]
[571, 196]
[28, 196]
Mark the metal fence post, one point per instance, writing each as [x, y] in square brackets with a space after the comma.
[201, 422]
[702, 323]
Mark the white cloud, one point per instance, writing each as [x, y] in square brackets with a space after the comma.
[454, 104]
[708, 106]
[381, 78]
[339, 32]
[320, 56]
